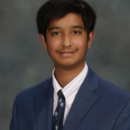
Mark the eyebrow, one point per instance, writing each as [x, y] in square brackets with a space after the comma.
[54, 28]
[60, 28]
[78, 27]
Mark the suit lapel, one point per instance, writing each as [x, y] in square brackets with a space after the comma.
[84, 100]
[44, 107]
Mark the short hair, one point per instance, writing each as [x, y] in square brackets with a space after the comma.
[56, 9]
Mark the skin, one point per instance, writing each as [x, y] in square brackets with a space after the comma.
[67, 44]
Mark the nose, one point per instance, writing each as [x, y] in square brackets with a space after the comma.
[66, 41]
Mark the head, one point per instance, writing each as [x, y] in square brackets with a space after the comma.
[66, 29]
[56, 9]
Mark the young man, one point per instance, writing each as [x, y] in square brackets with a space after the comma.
[74, 98]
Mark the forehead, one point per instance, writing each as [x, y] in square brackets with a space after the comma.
[69, 20]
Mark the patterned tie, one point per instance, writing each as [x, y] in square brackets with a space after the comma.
[57, 119]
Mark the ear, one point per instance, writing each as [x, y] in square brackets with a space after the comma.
[42, 38]
[91, 37]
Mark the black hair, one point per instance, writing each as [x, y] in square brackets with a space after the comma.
[56, 9]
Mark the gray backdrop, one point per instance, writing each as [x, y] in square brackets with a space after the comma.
[24, 62]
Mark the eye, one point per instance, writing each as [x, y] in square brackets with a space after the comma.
[76, 32]
[55, 33]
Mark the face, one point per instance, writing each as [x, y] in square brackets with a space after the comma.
[66, 41]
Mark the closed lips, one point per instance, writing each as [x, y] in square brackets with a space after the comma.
[65, 52]
[62, 52]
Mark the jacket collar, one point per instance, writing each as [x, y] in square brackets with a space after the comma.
[84, 100]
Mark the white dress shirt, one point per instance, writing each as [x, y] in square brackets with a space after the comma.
[69, 91]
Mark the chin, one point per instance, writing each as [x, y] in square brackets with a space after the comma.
[68, 64]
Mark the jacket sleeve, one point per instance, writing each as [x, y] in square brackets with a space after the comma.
[123, 121]
[13, 123]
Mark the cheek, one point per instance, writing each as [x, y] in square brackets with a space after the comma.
[52, 46]
[81, 44]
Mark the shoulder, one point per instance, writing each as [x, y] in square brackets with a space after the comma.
[32, 91]
[111, 92]
[105, 88]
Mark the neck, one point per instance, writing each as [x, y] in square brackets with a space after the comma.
[66, 74]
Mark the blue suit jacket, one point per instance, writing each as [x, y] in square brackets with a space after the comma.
[98, 105]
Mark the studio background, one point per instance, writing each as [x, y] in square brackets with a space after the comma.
[25, 63]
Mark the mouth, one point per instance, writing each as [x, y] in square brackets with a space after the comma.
[66, 54]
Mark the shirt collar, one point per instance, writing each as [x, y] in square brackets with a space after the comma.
[71, 89]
